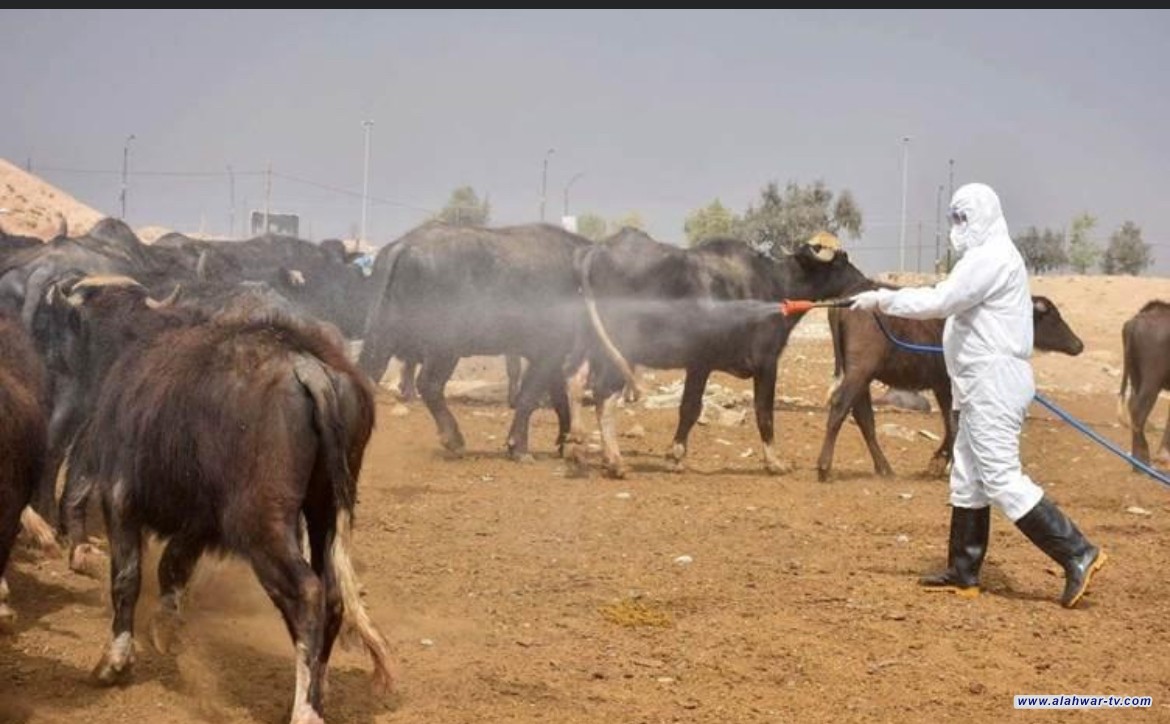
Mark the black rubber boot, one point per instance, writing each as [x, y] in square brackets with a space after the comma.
[1056, 535]
[970, 528]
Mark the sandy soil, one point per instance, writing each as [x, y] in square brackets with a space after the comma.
[516, 593]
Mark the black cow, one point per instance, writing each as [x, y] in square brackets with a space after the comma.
[23, 403]
[863, 353]
[1145, 341]
[220, 436]
[710, 307]
[455, 291]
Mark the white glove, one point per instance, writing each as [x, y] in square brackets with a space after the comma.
[870, 300]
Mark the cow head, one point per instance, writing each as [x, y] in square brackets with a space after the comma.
[1051, 332]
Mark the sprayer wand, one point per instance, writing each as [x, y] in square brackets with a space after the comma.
[789, 307]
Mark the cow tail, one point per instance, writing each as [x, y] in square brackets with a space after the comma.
[329, 421]
[1122, 412]
[377, 348]
[837, 334]
[611, 349]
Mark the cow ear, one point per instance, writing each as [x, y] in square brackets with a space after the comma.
[1040, 306]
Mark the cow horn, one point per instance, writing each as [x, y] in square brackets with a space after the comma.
[168, 301]
[76, 296]
[201, 266]
[824, 245]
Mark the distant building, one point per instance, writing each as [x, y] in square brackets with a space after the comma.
[282, 224]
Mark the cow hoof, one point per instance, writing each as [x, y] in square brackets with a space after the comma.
[164, 631]
[110, 672]
[453, 444]
[7, 619]
[779, 467]
[303, 714]
[889, 473]
[617, 471]
[823, 475]
[1162, 458]
[675, 465]
[87, 560]
[522, 458]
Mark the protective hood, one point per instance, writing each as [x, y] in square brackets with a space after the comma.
[976, 217]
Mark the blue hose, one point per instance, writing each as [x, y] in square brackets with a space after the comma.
[1052, 407]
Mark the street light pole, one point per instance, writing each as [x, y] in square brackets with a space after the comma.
[905, 175]
[544, 181]
[125, 171]
[568, 186]
[367, 125]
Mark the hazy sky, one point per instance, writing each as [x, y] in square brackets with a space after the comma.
[661, 111]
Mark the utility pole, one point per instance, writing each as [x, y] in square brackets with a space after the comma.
[125, 171]
[902, 232]
[267, 196]
[367, 125]
[937, 226]
[544, 181]
[231, 202]
[950, 195]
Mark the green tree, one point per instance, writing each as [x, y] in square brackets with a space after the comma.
[632, 220]
[781, 221]
[1043, 251]
[1083, 252]
[712, 220]
[465, 209]
[1126, 253]
[592, 226]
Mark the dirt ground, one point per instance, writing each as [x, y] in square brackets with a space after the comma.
[515, 593]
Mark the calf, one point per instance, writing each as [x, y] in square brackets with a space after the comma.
[1145, 341]
[23, 399]
[710, 307]
[218, 435]
[863, 353]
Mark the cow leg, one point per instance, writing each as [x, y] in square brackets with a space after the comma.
[125, 581]
[320, 522]
[174, 571]
[299, 595]
[84, 557]
[764, 389]
[689, 411]
[1162, 455]
[863, 415]
[436, 370]
[62, 426]
[942, 457]
[407, 389]
[559, 395]
[574, 449]
[541, 376]
[13, 499]
[513, 365]
[7, 615]
[1141, 403]
[841, 399]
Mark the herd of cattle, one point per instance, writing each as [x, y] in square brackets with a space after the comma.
[203, 392]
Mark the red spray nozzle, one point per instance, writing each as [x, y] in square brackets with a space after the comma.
[789, 307]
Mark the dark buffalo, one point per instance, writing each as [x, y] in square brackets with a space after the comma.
[710, 307]
[23, 401]
[863, 353]
[1145, 341]
[220, 436]
[452, 292]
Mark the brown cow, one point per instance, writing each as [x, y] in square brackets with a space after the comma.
[863, 353]
[218, 435]
[23, 399]
[1145, 340]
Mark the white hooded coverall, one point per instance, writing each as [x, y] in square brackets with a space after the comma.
[987, 344]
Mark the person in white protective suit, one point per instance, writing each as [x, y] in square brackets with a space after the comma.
[987, 344]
